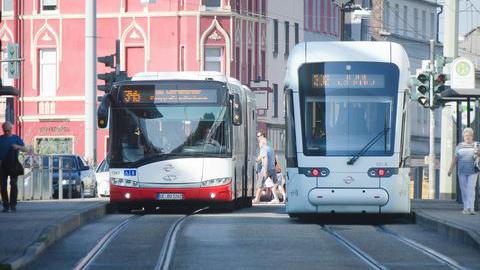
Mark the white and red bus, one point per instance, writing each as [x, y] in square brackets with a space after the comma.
[180, 137]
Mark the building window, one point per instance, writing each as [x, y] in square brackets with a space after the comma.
[275, 100]
[275, 37]
[397, 18]
[263, 64]
[364, 29]
[54, 145]
[297, 34]
[424, 23]
[249, 67]
[49, 5]
[432, 25]
[213, 59]
[48, 72]
[7, 6]
[415, 22]
[237, 62]
[182, 58]
[5, 79]
[405, 20]
[212, 3]
[386, 16]
[287, 38]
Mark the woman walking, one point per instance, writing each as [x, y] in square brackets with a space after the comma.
[465, 155]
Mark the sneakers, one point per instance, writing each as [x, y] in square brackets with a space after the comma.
[471, 211]
[466, 212]
[13, 208]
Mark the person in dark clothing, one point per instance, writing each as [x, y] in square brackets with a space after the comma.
[9, 142]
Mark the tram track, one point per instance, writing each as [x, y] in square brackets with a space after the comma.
[168, 248]
[86, 261]
[438, 257]
[374, 264]
[165, 259]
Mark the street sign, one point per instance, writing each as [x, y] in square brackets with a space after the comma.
[462, 74]
[13, 53]
[261, 100]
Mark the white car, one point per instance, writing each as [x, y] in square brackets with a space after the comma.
[103, 179]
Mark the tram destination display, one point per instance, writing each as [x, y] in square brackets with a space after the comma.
[146, 94]
[351, 81]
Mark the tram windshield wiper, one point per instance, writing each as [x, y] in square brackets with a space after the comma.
[368, 146]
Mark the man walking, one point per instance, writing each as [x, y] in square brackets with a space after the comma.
[267, 158]
[9, 142]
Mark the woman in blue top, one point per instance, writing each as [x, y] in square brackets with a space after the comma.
[465, 155]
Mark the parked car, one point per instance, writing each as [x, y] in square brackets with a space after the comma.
[103, 179]
[77, 174]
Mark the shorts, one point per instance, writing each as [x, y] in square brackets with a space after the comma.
[261, 179]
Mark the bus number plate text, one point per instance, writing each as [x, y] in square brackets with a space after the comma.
[169, 196]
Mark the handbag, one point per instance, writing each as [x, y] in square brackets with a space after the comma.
[11, 165]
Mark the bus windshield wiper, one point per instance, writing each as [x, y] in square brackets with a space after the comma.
[367, 146]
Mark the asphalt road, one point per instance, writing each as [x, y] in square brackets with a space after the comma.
[262, 237]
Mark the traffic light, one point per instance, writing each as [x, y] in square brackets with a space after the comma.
[423, 89]
[108, 78]
[439, 82]
[108, 61]
[111, 61]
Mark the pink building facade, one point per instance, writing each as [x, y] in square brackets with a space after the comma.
[170, 35]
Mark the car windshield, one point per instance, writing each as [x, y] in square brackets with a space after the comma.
[156, 132]
[103, 167]
[346, 105]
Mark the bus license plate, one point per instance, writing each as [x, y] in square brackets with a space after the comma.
[169, 196]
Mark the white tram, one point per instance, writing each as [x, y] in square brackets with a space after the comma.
[180, 137]
[347, 139]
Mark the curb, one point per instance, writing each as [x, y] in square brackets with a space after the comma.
[451, 230]
[53, 233]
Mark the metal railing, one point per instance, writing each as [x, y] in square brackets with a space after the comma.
[37, 182]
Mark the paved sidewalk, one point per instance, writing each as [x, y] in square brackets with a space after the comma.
[445, 216]
[38, 224]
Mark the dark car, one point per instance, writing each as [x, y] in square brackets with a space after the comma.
[76, 174]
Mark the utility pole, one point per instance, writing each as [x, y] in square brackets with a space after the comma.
[450, 49]
[90, 80]
[432, 157]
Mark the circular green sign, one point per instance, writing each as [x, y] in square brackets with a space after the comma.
[462, 68]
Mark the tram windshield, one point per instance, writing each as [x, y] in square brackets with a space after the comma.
[346, 105]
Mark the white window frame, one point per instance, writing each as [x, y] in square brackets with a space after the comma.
[208, 59]
[7, 12]
[40, 64]
[48, 11]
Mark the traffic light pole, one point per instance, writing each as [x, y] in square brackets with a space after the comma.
[90, 81]
[432, 158]
[448, 131]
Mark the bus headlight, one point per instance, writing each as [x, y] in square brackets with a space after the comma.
[124, 182]
[216, 182]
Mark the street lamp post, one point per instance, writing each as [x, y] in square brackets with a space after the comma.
[345, 6]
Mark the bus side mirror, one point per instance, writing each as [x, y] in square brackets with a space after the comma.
[236, 110]
[102, 111]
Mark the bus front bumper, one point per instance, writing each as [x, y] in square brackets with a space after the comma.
[206, 194]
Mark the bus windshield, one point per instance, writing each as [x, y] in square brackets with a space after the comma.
[158, 132]
[346, 105]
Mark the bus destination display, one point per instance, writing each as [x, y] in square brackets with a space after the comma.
[352, 81]
[142, 95]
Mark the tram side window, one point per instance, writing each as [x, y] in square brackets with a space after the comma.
[290, 138]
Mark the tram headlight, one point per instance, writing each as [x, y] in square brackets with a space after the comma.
[124, 182]
[216, 182]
